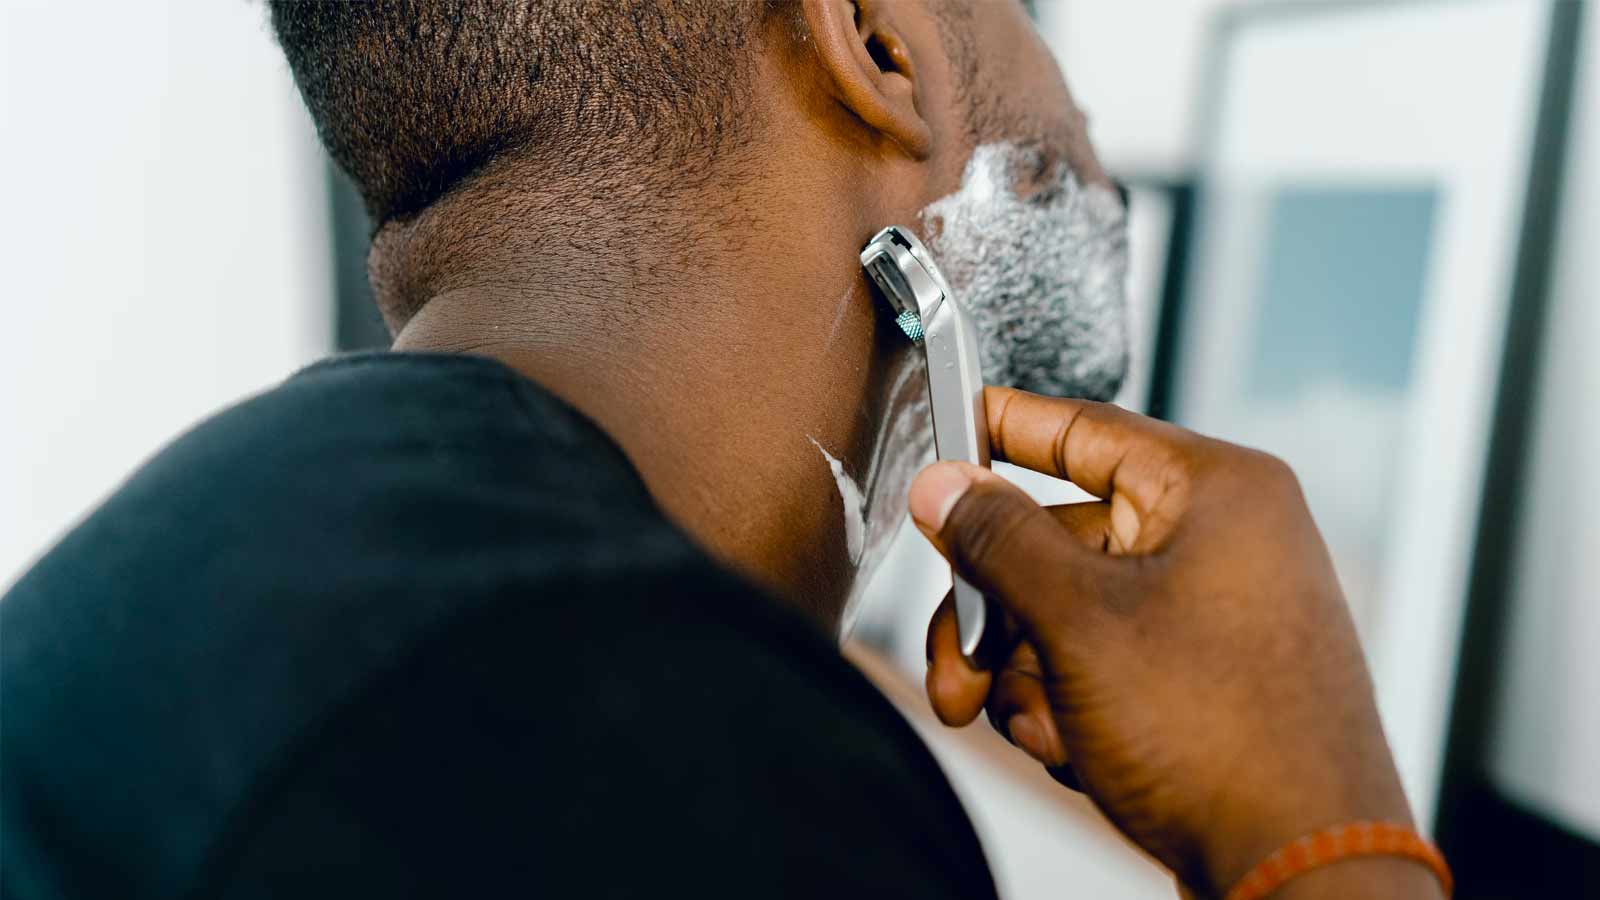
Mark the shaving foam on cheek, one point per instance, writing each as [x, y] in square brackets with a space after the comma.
[1042, 273]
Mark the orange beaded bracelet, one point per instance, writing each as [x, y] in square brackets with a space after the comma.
[1333, 844]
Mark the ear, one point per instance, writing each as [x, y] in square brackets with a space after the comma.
[869, 64]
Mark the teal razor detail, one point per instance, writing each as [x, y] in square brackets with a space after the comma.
[911, 324]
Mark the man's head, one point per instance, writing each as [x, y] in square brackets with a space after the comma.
[654, 208]
[414, 100]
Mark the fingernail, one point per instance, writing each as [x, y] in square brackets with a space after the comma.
[1025, 733]
[935, 492]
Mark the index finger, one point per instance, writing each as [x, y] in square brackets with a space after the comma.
[1099, 447]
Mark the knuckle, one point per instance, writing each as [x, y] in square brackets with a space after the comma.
[1180, 470]
[1257, 469]
[1275, 473]
[1171, 477]
[1190, 457]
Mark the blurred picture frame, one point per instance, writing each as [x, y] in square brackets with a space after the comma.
[1344, 271]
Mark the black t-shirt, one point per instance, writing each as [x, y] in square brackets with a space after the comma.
[409, 626]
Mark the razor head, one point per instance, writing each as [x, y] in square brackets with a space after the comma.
[906, 275]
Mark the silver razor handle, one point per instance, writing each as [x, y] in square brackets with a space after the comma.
[906, 274]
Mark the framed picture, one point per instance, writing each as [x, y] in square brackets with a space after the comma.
[1356, 245]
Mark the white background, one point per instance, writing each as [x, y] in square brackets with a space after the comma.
[165, 242]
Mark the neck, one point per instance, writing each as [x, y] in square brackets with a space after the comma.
[720, 360]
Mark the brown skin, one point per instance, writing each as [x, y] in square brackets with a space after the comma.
[783, 334]
[711, 354]
[1180, 651]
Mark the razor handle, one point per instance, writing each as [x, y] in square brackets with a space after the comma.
[960, 428]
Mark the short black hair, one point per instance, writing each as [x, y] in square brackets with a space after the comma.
[411, 97]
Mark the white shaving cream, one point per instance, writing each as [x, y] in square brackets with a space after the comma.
[1040, 262]
[854, 518]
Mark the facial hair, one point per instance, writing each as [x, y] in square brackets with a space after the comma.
[1042, 274]
[1040, 262]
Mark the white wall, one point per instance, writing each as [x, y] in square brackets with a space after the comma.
[164, 240]
[1135, 66]
[1546, 750]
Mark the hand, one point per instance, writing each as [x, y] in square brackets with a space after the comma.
[1180, 650]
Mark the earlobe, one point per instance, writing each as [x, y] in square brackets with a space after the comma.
[870, 66]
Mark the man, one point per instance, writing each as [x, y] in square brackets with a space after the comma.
[490, 613]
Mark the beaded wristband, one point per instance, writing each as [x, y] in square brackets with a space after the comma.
[1333, 844]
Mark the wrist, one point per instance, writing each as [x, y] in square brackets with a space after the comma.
[1237, 851]
[1367, 877]
[1257, 824]
[1400, 854]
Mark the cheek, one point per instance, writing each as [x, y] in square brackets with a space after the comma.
[1025, 84]
[1019, 66]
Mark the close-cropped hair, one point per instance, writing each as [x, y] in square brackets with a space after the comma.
[411, 98]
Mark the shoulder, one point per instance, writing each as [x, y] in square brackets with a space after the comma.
[262, 568]
[681, 733]
[355, 458]
[418, 620]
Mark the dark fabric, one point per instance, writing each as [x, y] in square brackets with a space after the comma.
[409, 626]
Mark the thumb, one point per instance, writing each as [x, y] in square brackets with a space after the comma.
[1006, 545]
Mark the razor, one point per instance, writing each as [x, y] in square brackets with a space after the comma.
[928, 313]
